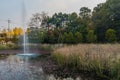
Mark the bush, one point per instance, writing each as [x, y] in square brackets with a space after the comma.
[91, 37]
[78, 37]
[7, 46]
[111, 35]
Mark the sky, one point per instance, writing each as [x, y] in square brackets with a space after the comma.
[12, 9]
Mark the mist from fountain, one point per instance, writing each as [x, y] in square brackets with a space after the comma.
[25, 37]
[26, 51]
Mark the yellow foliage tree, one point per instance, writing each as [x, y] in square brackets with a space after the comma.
[4, 33]
[17, 31]
[10, 33]
[20, 30]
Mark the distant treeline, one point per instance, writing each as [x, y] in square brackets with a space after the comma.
[102, 25]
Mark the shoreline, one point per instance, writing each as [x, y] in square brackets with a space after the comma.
[36, 51]
[50, 67]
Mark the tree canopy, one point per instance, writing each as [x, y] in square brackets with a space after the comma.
[87, 26]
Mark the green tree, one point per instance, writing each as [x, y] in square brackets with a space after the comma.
[51, 38]
[105, 16]
[71, 37]
[110, 35]
[35, 36]
[78, 37]
[60, 38]
[39, 20]
[58, 20]
[85, 12]
[65, 37]
[91, 37]
[74, 23]
[41, 36]
[56, 33]
[68, 38]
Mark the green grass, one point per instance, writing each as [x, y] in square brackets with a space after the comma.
[7, 46]
[50, 47]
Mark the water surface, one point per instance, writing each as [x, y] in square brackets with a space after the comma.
[17, 67]
[24, 67]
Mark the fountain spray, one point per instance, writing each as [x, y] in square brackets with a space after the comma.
[25, 38]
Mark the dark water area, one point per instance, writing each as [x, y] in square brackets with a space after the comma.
[27, 67]
[19, 67]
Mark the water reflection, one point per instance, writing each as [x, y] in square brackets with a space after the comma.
[16, 67]
[20, 67]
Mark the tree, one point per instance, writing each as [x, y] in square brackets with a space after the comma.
[56, 33]
[41, 36]
[85, 12]
[60, 38]
[58, 20]
[105, 16]
[91, 37]
[17, 31]
[45, 19]
[36, 20]
[78, 37]
[72, 20]
[35, 36]
[20, 31]
[74, 23]
[10, 33]
[111, 35]
[39, 20]
[51, 38]
[65, 37]
[69, 38]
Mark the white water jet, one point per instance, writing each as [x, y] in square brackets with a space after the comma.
[25, 37]
[26, 51]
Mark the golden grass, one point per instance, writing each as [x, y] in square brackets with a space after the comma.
[100, 58]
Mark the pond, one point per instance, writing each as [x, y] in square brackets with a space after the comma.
[18, 67]
[23, 67]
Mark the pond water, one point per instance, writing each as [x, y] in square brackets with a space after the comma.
[20, 67]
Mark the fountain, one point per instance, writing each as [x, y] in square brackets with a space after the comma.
[23, 66]
[25, 37]
[24, 27]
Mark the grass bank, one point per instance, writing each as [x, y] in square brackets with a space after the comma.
[101, 59]
[7, 46]
[50, 47]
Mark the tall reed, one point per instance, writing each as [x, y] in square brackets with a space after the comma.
[103, 59]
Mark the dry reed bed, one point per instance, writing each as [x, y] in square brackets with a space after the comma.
[104, 59]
